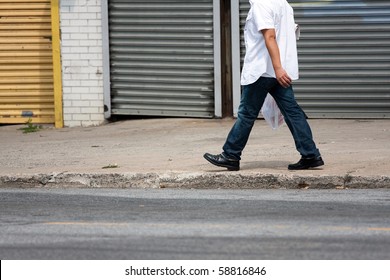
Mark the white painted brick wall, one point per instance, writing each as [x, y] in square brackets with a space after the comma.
[82, 62]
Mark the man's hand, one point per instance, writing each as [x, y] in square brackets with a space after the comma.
[283, 78]
[273, 50]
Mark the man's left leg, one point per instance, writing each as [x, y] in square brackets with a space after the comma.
[299, 127]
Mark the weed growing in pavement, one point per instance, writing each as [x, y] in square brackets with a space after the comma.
[30, 128]
[115, 165]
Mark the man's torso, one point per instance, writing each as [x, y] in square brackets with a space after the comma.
[266, 14]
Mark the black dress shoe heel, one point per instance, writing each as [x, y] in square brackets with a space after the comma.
[221, 161]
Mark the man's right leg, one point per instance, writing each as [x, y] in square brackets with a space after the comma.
[252, 98]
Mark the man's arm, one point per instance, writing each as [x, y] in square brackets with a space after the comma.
[273, 50]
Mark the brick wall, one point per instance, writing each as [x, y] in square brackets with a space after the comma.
[82, 62]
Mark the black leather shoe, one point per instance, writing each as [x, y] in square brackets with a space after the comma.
[306, 163]
[221, 161]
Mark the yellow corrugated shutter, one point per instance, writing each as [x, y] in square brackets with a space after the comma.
[26, 68]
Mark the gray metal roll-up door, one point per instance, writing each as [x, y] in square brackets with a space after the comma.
[162, 57]
[344, 57]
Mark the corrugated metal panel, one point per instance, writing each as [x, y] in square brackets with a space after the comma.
[26, 72]
[344, 57]
[161, 56]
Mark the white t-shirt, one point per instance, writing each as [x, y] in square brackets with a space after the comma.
[269, 14]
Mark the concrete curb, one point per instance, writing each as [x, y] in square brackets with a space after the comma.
[228, 180]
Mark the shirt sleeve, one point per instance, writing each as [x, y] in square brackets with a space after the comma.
[263, 16]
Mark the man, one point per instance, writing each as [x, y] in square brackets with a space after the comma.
[270, 66]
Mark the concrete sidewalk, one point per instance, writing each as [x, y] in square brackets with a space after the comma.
[168, 153]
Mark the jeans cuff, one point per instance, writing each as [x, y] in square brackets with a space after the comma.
[229, 157]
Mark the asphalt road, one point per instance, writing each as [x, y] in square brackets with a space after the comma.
[194, 224]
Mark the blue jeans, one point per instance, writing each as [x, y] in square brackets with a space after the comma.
[252, 99]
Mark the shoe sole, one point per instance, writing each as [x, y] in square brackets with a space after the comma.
[313, 165]
[222, 165]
